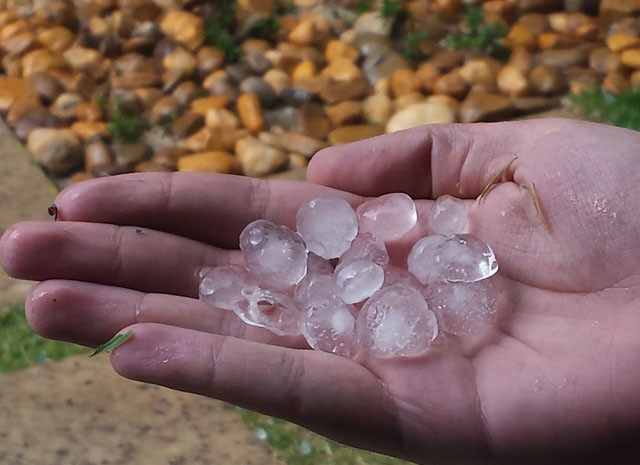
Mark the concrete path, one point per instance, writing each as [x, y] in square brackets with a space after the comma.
[79, 412]
[25, 194]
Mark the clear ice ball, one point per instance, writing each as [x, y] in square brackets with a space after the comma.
[422, 258]
[275, 255]
[358, 280]
[396, 321]
[327, 324]
[463, 258]
[388, 217]
[328, 225]
[449, 216]
[462, 308]
[270, 309]
[222, 286]
[365, 246]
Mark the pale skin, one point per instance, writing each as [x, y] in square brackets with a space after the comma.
[556, 381]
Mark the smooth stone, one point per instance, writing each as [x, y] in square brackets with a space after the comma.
[420, 114]
[352, 133]
[349, 111]
[39, 117]
[482, 106]
[215, 161]
[284, 117]
[58, 150]
[259, 159]
[377, 109]
[128, 154]
[250, 112]
[184, 28]
[339, 91]
[187, 124]
[257, 85]
[300, 143]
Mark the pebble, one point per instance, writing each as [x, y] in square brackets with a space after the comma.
[419, 114]
[59, 151]
[216, 162]
[352, 133]
[258, 158]
[250, 112]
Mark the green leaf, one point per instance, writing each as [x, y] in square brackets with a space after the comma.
[115, 341]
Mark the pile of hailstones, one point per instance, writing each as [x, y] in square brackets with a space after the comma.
[332, 282]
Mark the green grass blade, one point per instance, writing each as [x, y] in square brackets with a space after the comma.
[115, 341]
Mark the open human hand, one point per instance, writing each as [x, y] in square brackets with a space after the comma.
[556, 381]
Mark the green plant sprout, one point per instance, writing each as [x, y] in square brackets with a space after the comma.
[114, 342]
[219, 30]
[265, 28]
[621, 109]
[411, 45]
[393, 10]
[125, 126]
[479, 35]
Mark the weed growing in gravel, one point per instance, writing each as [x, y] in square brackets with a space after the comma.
[124, 126]
[479, 35]
[219, 30]
[411, 45]
[621, 109]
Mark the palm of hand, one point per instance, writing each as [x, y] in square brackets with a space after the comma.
[556, 378]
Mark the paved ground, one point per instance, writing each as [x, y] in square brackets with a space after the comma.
[78, 411]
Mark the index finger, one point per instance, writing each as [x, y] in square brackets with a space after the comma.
[207, 207]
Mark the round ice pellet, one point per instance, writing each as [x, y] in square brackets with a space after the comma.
[462, 308]
[365, 246]
[275, 255]
[270, 309]
[358, 281]
[422, 258]
[327, 324]
[463, 258]
[396, 321]
[449, 216]
[328, 225]
[222, 286]
[388, 217]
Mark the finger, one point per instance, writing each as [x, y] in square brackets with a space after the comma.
[326, 393]
[206, 207]
[428, 161]
[136, 258]
[89, 314]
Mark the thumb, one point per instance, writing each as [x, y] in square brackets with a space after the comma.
[426, 161]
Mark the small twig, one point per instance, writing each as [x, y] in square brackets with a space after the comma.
[53, 211]
[495, 179]
[538, 206]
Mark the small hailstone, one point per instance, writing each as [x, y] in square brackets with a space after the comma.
[328, 225]
[327, 324]
[270, 309]
[317, 284]
[365, 246]
[388, 217]
[463, 258]
[396, 321]
[449, 216]
[358, 280]
[422, 258]
[461, 308]
[222, 286]
[275, 255]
